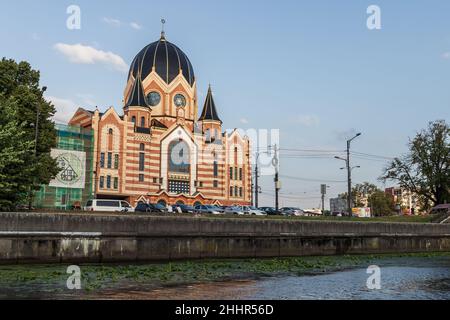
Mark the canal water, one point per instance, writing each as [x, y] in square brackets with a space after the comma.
[400, 278]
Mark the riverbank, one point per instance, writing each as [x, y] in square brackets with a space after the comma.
[144, 280]
[82, 238]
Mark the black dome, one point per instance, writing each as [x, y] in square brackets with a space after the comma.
[167, 59]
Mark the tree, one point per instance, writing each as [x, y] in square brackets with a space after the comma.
[360, 191]
[381, 204]
[13, 152]
[21, 97]
[425, 169]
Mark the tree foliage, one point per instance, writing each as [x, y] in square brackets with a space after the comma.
[362, 190]
[13, 151]
[425, 169]
[381, 204]
[21, 103]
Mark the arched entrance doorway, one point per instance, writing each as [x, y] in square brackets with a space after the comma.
[179, 165]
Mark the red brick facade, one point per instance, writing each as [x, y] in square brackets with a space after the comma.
[133, 152]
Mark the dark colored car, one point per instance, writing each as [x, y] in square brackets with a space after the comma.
[270, 211]
[184, 208]
[149, 207]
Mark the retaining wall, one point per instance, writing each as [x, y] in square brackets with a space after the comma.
[33, 237]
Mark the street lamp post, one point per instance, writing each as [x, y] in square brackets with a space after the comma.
[349, 175]
[256, 180]
[36, 136]
[257, 187]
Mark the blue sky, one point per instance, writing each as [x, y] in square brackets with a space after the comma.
[311, 69]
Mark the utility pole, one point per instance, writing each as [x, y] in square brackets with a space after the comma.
[257, 188]
[275, 163]
[349, 175]
[349, 182]
[323, 191]
[256, 183]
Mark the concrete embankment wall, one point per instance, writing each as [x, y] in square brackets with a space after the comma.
[38, 237]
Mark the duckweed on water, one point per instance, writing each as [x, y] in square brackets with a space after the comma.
[103, 276]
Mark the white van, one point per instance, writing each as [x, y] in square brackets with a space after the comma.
[104, 205]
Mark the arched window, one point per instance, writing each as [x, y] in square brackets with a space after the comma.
[143, 122]
[110, 139]
[208, 135]
[133, 119]
[179, 157]
[142, 147]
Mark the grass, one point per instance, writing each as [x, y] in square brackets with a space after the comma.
[96, 277]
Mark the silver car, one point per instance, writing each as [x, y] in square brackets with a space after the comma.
[292, 211]
[253, 211]
[234, 210]
[207, 209]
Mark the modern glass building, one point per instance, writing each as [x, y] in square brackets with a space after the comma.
[73, 185]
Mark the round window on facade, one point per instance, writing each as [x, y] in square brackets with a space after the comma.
[153, 98]
[179, 100]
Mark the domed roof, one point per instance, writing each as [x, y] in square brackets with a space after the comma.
[166, 58]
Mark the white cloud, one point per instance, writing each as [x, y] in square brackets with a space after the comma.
[243, 121]
[135, 26]
[307, 120]
[88, 100]
[81, 54]
[446, 55]
[112, 22]
[65, 108]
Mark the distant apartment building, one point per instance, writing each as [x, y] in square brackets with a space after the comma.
[406, 201]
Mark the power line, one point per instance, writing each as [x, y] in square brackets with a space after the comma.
[311, 179]
[371, 155]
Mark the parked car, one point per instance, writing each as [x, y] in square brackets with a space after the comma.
[184, 208]
[207, 209]
[253, 211]
[270, 211]
[150, 208]
[313, 212]
[221, 209]
[104, 205]
[292, 211]
[234, 210]
[441, 209]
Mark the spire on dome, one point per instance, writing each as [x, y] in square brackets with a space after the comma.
[163, 33]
